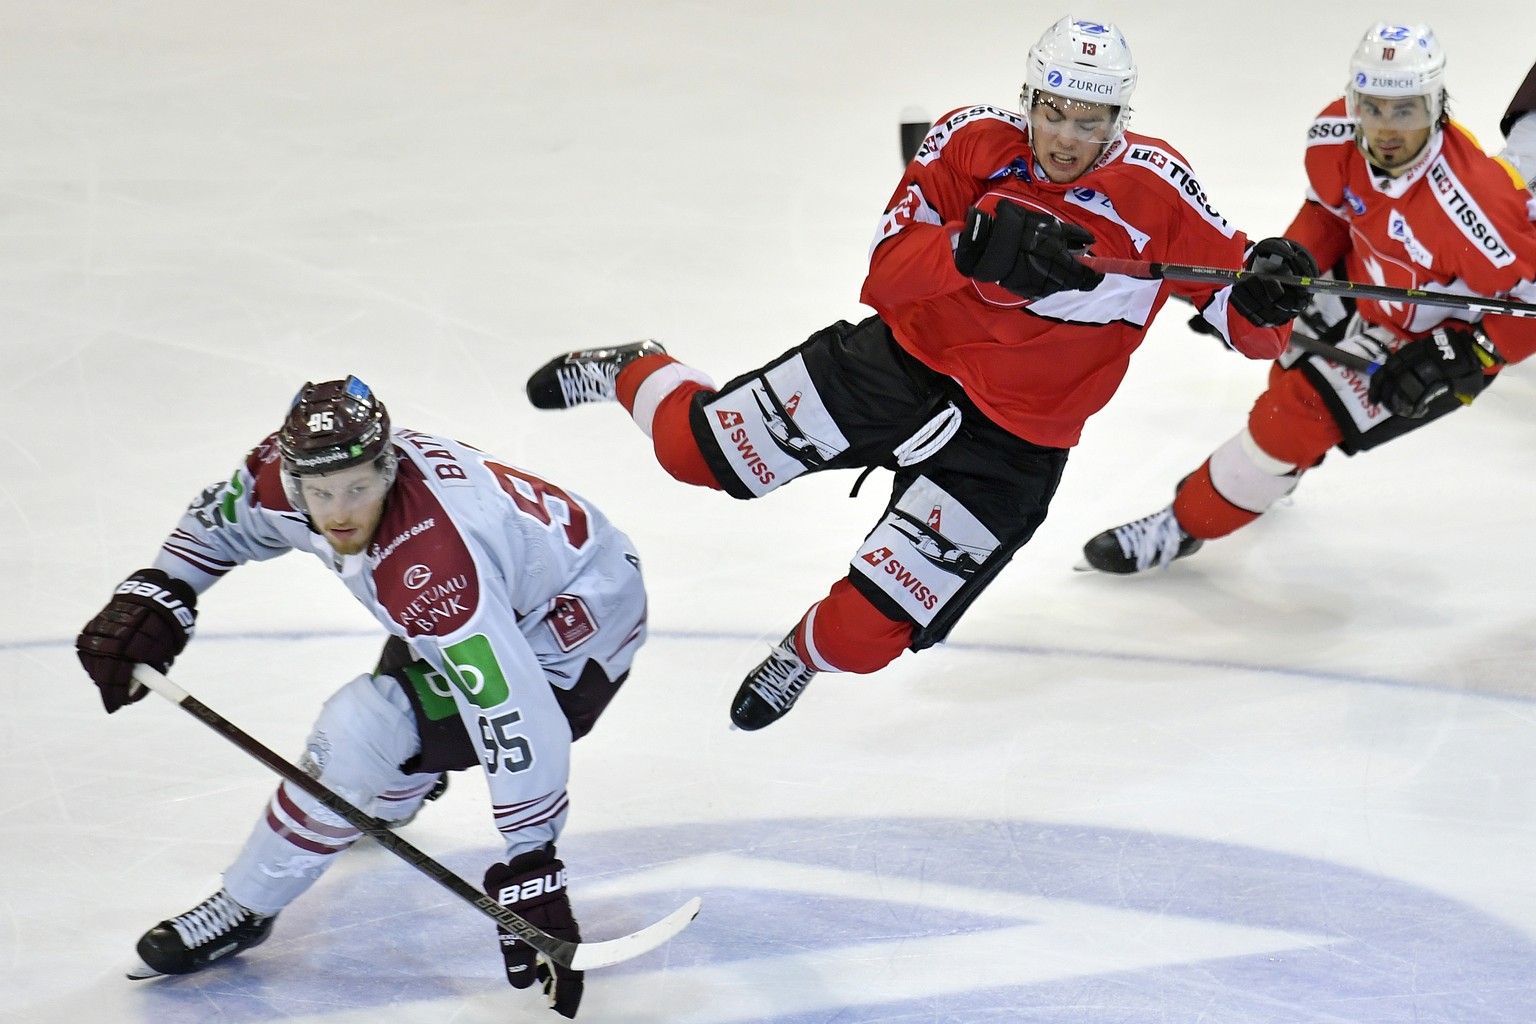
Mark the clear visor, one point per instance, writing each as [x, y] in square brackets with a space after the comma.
[1394, 113]
[354, 487]
[1062, 117]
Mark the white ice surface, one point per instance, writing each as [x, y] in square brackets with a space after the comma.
[1292, 779]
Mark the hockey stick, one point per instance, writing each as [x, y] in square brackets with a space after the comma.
[1316, 285]
[578, 956]
[914, 128]
[1343, 357]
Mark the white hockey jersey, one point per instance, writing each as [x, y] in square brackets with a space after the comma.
[466, 565]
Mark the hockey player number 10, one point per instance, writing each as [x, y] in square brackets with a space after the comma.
[545, 502]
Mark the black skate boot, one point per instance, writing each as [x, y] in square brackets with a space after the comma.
[214, 930]
[1157, 539]
[577, 378]
[771, 689]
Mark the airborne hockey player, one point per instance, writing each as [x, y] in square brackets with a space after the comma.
[514, 609]
[990, 347]
[1399, 195]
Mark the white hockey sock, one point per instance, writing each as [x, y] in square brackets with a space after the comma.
[1248, 477]
[658, 385]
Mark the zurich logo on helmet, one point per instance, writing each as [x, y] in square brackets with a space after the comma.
[1360, 79]
[1054, 78]
[1091, 26]
[1395, 34]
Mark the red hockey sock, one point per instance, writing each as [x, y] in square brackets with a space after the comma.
[1204, 513]
[843, 632]
[671, 435]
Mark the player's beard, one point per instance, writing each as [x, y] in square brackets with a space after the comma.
[359, 531]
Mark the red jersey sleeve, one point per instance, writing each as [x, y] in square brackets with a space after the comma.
[912, 257]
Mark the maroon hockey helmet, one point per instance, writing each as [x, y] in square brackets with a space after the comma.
[333, 426]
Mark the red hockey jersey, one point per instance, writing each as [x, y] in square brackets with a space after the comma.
[1457, 221]
[1041, 368]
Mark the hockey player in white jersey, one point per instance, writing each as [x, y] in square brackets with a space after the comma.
[514, 610]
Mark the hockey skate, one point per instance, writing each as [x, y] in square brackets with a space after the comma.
[771, 689]
[577, 378]
[1154, 540]
[213, 931]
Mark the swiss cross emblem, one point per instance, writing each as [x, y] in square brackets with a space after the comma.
[934, 519]
[793, 403]
[728, 419]
[877, 556]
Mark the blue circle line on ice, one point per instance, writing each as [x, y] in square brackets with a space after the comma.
[813, 921]
[1012, 650]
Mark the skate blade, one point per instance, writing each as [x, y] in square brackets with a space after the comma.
[1081, 565]
[141, 971]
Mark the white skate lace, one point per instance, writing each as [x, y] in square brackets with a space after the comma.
[218, 915]
[587, 382]
[1153, 538]
[780, 679]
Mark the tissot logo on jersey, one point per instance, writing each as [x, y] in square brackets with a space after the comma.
[1169, 167]
[940, 134]
[904, 577]
[1331, 129]
[1467, 216]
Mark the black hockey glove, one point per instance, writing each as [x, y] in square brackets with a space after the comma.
[532, 886]
[148, 621]
[1030, 254]
[1267, 303]
[1450, 360]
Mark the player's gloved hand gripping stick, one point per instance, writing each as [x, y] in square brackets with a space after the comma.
[1316, 285]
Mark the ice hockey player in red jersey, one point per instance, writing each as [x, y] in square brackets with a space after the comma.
[1399, 195]
[990, 347]
[514, 609]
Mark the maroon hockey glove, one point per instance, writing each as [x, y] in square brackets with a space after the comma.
[1451, 360]
[1268, 303]
[532, 886]
[148, 622]
[1031, 254]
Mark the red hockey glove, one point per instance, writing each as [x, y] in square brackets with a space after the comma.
[532, 886]
[148, 622]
